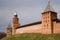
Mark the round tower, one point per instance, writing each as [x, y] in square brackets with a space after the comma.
[15, 23]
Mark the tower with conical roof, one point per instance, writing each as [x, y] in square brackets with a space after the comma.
[15, 23]
[47, 16]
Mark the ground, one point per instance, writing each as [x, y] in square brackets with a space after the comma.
[33, 36]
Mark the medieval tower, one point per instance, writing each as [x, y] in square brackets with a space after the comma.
[9, 30]
[47, 19]
[15, 23]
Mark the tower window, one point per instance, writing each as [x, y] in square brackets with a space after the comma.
[48, 16]
[48, 20]
[44, 25]
[47, 24]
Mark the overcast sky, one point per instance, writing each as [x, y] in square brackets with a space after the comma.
[28, 11]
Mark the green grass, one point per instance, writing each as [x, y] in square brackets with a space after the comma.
[34, 36]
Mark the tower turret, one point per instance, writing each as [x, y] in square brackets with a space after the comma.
[15, 23]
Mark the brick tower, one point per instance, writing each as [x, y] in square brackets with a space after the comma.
[47, 19]
[15, 23]
[9, 31]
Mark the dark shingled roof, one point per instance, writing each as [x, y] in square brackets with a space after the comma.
[29, 24]
[35, 23]
[49, 7]
[57, 20]
[49, 11]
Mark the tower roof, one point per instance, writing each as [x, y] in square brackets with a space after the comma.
[9, 25]
[15, 13]
[49, 7]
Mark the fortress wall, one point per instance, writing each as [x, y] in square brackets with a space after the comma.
[56, 26]
[30, 29]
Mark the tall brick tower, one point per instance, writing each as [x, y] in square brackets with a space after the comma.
[15, 23]
[47, 19]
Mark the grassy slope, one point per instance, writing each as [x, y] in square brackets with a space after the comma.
[34, 36]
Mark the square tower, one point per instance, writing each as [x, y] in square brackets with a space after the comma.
[47, 19]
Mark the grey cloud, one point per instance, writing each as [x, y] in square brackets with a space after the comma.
[21, 3]
[12, 3]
